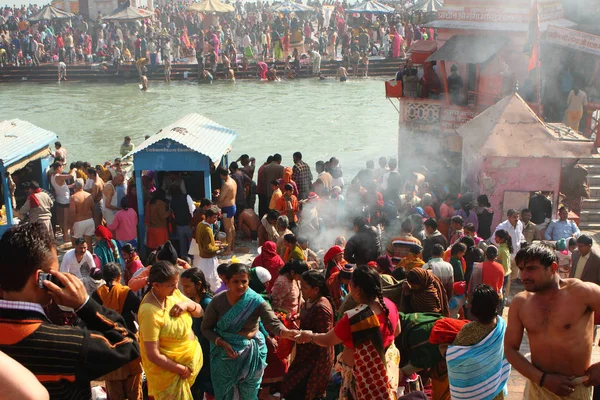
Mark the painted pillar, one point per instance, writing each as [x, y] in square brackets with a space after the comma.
[140, 202]
[7, 199]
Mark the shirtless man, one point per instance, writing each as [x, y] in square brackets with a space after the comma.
[94, 187]
[248, 222]
[226, 202]
[81, 210]
[342, 74]
[559, 317]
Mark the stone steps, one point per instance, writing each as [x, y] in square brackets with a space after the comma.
[589, 219]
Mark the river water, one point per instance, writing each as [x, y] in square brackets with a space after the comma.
[352, 121]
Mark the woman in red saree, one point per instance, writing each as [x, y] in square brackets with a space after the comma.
[370, 360]
[309, 373]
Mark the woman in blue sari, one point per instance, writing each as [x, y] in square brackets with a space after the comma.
[238, 352]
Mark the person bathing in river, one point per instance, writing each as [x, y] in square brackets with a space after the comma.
[342, 74]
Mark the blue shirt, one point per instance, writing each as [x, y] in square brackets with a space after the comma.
[561, 230]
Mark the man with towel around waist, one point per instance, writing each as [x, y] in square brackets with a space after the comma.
[559, 317]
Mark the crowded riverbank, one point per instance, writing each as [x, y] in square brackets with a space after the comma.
[320, 117]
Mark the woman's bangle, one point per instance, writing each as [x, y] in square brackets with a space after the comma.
[217, 341]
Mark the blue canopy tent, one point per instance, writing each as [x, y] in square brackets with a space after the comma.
[191, 144]
[22, 143]
[289, 7]
[372, 7]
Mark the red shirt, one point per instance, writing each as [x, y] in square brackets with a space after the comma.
[493, 274]
[343, 331]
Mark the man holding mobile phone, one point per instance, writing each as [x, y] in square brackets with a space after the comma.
[64, 359]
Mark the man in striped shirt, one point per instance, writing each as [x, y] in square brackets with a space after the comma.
[64, 359]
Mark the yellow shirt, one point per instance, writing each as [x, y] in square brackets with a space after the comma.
[581, 265]
[274, 198]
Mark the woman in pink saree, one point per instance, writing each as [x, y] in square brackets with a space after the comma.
[396, 43]
[262, 69]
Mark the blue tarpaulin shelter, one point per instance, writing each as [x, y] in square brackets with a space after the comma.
[21, 143]
[190, 144]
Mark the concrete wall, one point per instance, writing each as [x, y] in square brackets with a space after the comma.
[497, 175]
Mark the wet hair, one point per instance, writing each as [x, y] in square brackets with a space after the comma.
[222, 171]
[197, 276]
[536, 252]
[585, 239]
[485, 303]
[57, 144]
[161, 272]
[272, 215]
[491, 253]
[432, 223]
[297, 266]
[24, 249]
[234, 166]
[369, 282]
[437, 250]
[458, 248]
[110, 272]
[236, 268]
[503, 234]
[290, 238]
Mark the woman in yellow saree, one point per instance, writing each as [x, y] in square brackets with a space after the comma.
[171, 354]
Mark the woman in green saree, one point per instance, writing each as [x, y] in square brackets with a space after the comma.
[238, 352]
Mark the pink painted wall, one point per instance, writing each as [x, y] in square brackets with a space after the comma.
[495, 175]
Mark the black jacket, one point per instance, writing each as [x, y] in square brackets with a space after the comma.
[363, 246]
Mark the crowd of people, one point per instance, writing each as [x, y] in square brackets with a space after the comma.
[411, 304]
[252, 33]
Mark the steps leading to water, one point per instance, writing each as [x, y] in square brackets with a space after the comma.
[87, 72]
[589, 219]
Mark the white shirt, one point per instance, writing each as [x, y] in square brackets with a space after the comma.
[516, 234]
[441, 269]
[70, 264]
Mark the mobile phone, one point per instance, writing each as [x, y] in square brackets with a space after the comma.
[43, 276]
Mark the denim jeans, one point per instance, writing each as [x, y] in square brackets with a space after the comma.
[184, 237]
